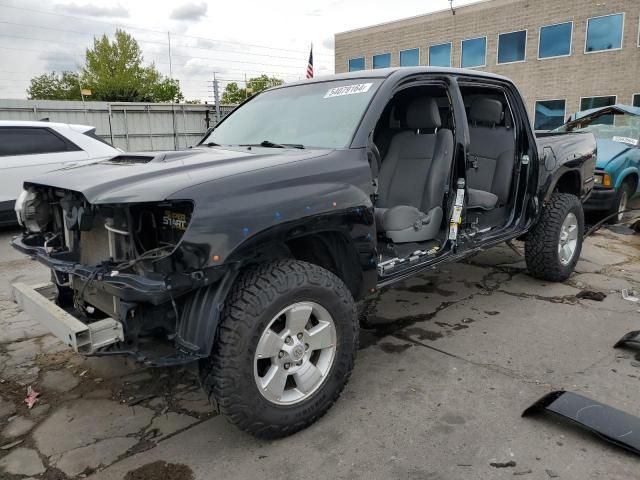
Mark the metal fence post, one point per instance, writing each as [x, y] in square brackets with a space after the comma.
[150, 131]
[110, 127]
[126, 128]
[184, 122]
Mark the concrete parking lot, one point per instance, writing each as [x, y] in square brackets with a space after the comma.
[449, 362]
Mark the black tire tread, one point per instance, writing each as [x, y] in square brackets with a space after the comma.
[255, 287]
[541, 243]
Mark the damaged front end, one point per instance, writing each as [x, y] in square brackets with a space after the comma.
[118, 268]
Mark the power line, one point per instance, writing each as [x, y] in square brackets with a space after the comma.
[131, 27]
[61, 42]
[164, 44]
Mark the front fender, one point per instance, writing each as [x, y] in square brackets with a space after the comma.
[231, 211]
[621, 176]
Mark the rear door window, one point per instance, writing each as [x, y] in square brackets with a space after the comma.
[32, 140]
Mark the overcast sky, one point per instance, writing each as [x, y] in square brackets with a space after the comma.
[232, 38]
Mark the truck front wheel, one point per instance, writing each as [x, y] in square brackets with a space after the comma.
[553, 246]
[285, 348]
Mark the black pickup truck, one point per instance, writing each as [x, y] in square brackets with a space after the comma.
[249, 252]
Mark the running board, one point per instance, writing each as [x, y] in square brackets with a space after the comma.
[613, 425]
[631, 338]
[392, 264]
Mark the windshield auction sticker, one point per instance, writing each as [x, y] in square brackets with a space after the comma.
[348, 90]
[630, 141]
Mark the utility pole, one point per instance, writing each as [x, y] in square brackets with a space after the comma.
[173, 111]
[169, 39]
[216, 97]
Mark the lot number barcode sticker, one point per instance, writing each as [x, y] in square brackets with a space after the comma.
[348, 90]
[630, 141]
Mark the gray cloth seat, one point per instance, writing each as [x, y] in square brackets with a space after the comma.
[492, 147]
[414, 175]
[481, 199]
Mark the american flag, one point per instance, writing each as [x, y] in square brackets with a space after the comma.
[310, 64]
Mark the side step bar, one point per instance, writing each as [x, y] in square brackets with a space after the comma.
[615, 426]
[37, 302]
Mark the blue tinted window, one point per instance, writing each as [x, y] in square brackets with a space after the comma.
[474, 52]
[596, 102]
[549, 114]
[410, 58]
[440, 55]
[356, 64]
[604, 33]
[382, 61]
[512, 47]
[636, 100]
[599, 102]
[555, 40]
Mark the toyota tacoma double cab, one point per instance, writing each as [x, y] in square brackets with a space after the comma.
[249, 252]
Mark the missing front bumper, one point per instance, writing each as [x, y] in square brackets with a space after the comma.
[37, 302]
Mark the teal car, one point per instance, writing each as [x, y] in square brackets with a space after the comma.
[617, 131]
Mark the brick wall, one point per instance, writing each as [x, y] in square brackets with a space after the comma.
[579, 75]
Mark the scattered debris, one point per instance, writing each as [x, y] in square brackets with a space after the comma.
[591, 295]
[9, 446]
[523, 472]
[160, 469]
[632, 338]
[32, 397]
[611, 424]
[551, 473]
[509, 464]
[135, 401]
[631, 297]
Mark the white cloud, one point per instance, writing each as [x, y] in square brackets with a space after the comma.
[189, 12]
[234, 41]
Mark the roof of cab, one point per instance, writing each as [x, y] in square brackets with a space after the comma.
[397, 71]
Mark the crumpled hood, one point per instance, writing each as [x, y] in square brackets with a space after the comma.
[608, 151]
[154, 180]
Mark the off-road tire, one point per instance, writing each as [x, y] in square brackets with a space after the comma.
[625, 187]
[541, 243]
[257, 296]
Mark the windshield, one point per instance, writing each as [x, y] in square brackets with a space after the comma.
[323, 115]
[608, 125]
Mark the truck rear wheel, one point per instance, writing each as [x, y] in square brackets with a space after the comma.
[553, 246]
[285, 348]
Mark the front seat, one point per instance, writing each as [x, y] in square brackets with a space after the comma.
[414, 176]
[492, 147]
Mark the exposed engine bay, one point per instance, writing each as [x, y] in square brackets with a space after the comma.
[107, 260]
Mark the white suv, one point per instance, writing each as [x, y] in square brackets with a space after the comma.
[28, 149]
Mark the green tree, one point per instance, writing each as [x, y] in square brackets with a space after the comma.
[114, 72]
[55, 86]
[258, 84]
[234, 95]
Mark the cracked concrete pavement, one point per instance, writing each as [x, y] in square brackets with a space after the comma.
[448, 361]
